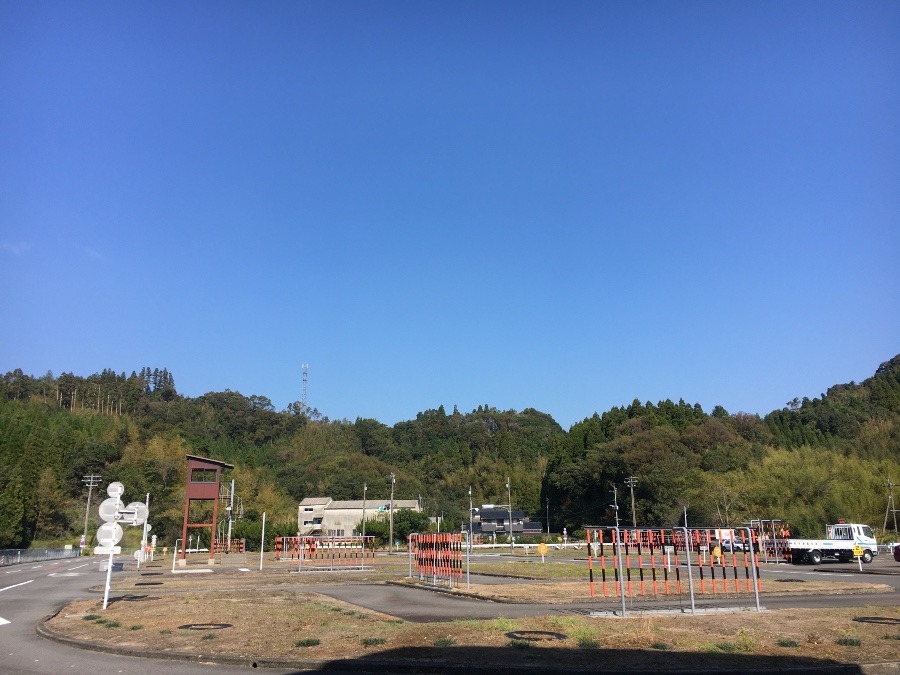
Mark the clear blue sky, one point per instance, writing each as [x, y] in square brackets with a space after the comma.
[563, 206]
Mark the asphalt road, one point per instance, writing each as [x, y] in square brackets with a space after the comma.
[29, 593]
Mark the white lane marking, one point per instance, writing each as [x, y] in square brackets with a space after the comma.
[79, 567]
[14, 585]
[3, 621]
[64, 574]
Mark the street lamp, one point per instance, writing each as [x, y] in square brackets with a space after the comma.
[512, 546]
[393, 481]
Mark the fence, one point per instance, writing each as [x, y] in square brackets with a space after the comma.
[648, 562]
[331, 553]
[15, 556]
[437, 557]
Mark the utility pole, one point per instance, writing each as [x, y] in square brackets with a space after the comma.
[890, 505]
[393, 481]
[548, 515]
[512, 545]
[91, 481]
[630, 482]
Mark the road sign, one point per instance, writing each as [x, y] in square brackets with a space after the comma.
[115, 489]
[109, 508]
[857, 551]
[140, 511]
[109, 534]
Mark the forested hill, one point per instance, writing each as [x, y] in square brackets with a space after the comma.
[811, 462]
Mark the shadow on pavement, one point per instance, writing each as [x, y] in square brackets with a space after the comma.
[550, 660]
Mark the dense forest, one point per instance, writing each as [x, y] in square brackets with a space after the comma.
[812, 462]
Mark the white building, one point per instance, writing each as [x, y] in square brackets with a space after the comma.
[326, 517]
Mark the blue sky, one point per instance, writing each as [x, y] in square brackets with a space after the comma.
[521, 204]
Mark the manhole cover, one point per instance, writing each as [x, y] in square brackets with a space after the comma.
[534, 635]
[204, 626]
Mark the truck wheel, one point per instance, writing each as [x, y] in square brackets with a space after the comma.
[867, 556]
[814, 557]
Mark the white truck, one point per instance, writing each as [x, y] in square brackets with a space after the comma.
[843, 541]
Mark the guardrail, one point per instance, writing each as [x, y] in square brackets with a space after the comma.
[17, 556]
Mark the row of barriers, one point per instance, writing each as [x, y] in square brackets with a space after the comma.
[438, 557]
[643, 562]
[317, 552]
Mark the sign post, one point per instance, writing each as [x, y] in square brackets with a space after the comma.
[542, 549]
[858, 552]
[109, 534]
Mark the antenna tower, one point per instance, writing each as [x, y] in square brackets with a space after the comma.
[305, 378]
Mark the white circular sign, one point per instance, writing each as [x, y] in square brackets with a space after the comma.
[109, 508]
[140, 556]
[115, 489]
[140, 511]
[109, 534]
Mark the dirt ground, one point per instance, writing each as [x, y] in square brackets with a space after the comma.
[273, 618]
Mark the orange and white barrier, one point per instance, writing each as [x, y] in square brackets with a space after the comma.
[645, 561]
[438, 557]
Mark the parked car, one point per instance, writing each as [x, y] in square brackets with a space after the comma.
[731, 546]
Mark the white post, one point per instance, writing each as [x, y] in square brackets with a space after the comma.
[175, 557]
[230, 517]
[262, 542]
[108, 575]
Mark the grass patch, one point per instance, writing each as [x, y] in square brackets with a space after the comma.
[891, 637]
[208, 636]
[307, 642]
[585, 642]
[91, 617]
[373, 641]
[165, 631]
[519, 644]
[787, 642]
[112, 624]
[849, 642]
[444, 642]
[727, 647]
[661, 646]
[136, 626]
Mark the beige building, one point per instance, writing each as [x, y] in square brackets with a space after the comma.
[328, 518]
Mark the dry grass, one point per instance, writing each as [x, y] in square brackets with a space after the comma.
[275, 615]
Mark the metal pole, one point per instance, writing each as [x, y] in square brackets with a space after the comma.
[687, 549]
[175, 554]
[548, 515]
[230, 517]
[469, 542]
[391, 543]
[365, 487]
[618, 549]
[512, 546]
[753, 567]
